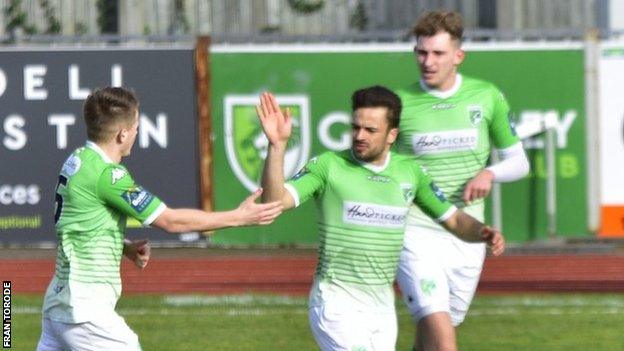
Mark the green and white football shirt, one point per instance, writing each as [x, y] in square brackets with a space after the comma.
[94, 197]
[450, 134]
[362, 211]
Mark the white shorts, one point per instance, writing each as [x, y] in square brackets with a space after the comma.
[112, 334]
[342, 330]
[438, 273]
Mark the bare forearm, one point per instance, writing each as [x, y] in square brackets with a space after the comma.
[273, 174]
[464, 227]
[187, 220]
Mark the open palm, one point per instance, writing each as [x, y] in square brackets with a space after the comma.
[277, 125]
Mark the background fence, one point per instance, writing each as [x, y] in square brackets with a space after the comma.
[236, 20]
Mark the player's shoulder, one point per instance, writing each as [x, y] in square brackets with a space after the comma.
[328, 156]
[478, 82]
[406, 162]
[409, 91]
[481, 85]
[82, 158]
[114, 173]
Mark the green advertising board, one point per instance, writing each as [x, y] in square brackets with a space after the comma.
[316, 82]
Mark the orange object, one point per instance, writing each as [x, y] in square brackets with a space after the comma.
[612, 221]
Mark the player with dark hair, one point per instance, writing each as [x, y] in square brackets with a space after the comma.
[363, 195]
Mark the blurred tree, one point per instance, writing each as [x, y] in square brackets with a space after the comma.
[107, 16]
[359, 18]
[306, 6]
[54, 25]
[16, 19]
[180, 24]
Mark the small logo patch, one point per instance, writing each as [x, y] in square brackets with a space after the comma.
[117, 174]
[301, 173]
[378, 178]
[72, 165]
[438, 193]
[427, 286]
[476, 114]
[138, 198]
[408, 192]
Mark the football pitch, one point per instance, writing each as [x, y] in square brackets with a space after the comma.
[262, 322]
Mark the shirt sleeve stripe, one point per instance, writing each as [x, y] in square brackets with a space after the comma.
[160, 209]
[447, 214]
[293, 192]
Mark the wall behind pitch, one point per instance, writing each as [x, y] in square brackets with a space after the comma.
[317, 82]
[41, 97]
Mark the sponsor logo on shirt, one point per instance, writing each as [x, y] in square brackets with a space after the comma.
[443, 106]
[138, 198]
[378, 178]
[373, 215]
[447, 141]
[476, 114]
[117, 174]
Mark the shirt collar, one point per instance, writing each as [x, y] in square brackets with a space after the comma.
[373, 168]
[101, 152]
[443, 94]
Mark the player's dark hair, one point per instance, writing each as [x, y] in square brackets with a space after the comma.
[378, 96]
[105, 108]
[434, 22]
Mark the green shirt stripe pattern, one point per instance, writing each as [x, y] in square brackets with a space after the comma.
[362, 212]
[450, 135]
[93, 199]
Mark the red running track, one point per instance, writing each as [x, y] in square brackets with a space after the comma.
[293, 274]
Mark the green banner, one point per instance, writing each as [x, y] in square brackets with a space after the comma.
[317, 86]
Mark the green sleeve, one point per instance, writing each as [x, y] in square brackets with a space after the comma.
[310, 181]
[119, 191]
[501, 130]
[430, 198]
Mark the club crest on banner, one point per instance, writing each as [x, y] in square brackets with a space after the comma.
[246, 145]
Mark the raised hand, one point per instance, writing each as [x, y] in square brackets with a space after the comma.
[494, 239]
[277, 125]
[252, 213]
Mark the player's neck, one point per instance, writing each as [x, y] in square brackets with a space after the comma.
[111, 150]
[448, 84]
[438, 92]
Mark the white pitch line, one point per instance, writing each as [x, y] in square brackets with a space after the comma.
[301, 311]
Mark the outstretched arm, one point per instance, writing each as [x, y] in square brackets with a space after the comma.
[277, 127]
[248, 213]
[469, 229]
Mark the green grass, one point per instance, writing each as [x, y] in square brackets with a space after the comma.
[514, 322]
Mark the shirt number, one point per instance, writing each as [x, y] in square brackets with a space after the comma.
[59, 198]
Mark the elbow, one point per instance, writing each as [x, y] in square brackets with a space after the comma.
[524, 167]
[167, 222]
